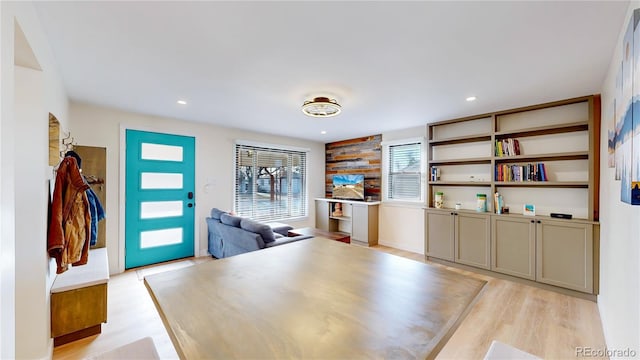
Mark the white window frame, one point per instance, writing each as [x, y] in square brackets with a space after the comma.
[386, 169]
[282, 148]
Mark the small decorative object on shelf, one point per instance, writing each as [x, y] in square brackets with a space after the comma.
[481, 200]
[498, 203]
[439, 201]
[458, 206]
[337, 209]
[529, 209]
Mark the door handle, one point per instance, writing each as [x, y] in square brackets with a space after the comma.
[189, 205]
[190, 195]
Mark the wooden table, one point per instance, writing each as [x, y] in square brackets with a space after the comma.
[312, 299]
[338, 236]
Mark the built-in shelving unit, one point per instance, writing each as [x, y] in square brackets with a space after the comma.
[551, 161]
[562, 135]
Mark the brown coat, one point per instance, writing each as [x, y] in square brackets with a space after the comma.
[70, 226]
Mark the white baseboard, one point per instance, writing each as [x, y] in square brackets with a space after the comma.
[401, 246]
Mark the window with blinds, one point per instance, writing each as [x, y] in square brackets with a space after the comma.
[404, 171]
[271, 183]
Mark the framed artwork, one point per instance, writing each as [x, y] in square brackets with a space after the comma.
[529, 210]
[626, 137]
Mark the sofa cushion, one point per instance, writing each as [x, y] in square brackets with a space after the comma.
[231, 220]
[280, 228]
[216, 213]
[258, 228]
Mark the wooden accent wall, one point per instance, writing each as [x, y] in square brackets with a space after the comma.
[356, 156]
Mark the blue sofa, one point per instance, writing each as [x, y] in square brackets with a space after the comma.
[232, 235]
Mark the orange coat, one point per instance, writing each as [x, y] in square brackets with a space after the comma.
[70, 226]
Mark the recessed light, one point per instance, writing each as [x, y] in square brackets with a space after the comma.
[182, 102]
[323, 132]
[471, 98]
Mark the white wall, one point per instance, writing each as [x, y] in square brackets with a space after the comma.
[402, 225]
[24, 298]
[31, 216]
[99, 126]
[619, 299]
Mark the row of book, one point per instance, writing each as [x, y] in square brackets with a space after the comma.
[521, 172]
[507, 147]
[435, 174]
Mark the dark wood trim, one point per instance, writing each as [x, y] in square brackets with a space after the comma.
[80, 334]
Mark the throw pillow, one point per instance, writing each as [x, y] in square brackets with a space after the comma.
[258, 228]
[216, 213]
[231, 220]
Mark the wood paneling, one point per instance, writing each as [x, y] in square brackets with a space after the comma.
[355, 156]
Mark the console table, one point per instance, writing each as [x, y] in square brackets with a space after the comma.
[359, 219]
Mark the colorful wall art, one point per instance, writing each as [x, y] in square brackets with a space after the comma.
[625, 138]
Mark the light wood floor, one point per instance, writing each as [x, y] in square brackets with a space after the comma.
[541, 322]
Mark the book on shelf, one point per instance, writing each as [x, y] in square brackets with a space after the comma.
[435, 173]
[521, 172]
[507, 147]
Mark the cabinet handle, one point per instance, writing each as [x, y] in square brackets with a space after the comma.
[532, 221]
[539, 221]
[456, 214]
[451, 213]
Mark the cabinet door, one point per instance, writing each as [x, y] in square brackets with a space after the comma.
[473, 239]
[565, 254]
[364, 222]
[322, 215]
[513, 246]
[440, 230]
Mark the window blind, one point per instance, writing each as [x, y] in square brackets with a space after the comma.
[404, 173]
[271, 183]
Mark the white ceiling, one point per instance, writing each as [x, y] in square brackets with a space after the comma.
[391, 65]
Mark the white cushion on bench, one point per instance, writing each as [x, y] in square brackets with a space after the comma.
[141, 349]
[95, 272]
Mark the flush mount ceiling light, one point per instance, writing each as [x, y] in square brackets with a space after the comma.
[321, 107]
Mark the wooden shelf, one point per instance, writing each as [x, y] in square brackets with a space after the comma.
[461, 139]
[467, 161]
[544, 130]
[566, 184]
[460, 183]
[577, 155]
[344, 218]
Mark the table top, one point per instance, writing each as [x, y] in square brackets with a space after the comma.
[312, 299]
[335, 235]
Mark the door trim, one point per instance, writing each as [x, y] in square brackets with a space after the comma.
[122, 186]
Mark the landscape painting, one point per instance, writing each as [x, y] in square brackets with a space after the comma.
[611, 135]
[627, 130]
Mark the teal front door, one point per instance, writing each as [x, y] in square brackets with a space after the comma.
[159, 197]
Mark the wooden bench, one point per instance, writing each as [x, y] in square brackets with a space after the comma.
[79, 299]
